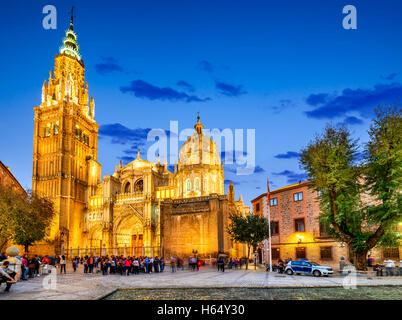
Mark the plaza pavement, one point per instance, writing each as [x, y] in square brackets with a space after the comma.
[79, 286]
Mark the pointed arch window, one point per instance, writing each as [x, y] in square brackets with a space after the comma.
[205, 185]
[188, 185]
[197, 184]
[56, 128]
[127, 188]
[47, 130]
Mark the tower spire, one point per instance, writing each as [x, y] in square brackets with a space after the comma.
[72, 19]
[70, 45]
[198, 126]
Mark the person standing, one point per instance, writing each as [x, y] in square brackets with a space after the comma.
[389, 266]
[62, 264]
[342, 264]
[75, 263]
[162, 264]
[173, 264]
[156, 265]
[86, 264]
[91, 264]
[221, 264]
[24, 267]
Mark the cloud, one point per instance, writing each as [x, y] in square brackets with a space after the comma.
[283, 104]
[315, 99]
[186, 85]
[229, 90]
[126, 159]
[292, 177]
[288, 155]
[209, 67]
[362, 101]
[142, 89]
[108, 65]
[258, 169]
[227, 182]
[120, 134]
[391, 76]
[350, 121]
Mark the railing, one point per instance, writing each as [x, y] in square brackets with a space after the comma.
[129, 197]
[116, 251]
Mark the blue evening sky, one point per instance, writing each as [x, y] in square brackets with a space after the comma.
[284, 68]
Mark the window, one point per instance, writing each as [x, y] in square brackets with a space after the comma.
[276, 253]
[326, 253]
[257, 207]
[78, 132]
[127, 188]
[391, 253]
[323, 229]
[274, 202]
[299, 225]
[47, 130]
[197, 184]
[188, 185]
[300, 253]
[206, 185]
[56, 128]
[139, 186]
[275, 227]
[298, 196]
[85, 139]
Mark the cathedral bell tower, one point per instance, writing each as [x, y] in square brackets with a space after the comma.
[65, 146]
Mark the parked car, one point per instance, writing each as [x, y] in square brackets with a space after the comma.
[308, 267]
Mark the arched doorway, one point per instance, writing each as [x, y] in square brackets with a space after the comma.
[128, 231]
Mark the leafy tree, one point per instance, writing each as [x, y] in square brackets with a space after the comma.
[250, 229]
[24, 217]
[330, 160]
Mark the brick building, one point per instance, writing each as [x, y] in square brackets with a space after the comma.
[297, 232]
[8, 179]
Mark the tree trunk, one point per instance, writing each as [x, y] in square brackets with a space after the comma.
[360, 260]
[248, 256]
[26, 248]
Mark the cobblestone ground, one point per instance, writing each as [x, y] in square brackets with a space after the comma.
[78, 286]
[336, 293]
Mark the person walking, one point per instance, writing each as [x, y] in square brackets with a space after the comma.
[62, 264]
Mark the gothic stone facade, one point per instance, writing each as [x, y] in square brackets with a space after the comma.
[142, 205]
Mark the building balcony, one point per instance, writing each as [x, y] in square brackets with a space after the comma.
[130, 197]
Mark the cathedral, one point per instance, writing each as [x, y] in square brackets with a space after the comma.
[140, 209]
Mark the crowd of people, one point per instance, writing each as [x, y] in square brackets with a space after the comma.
[35, 266]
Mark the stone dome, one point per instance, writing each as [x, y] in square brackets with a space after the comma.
[199, 149]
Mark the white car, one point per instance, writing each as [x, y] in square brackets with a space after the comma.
[304, 266]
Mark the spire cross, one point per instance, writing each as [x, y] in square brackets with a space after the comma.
[72, 15]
